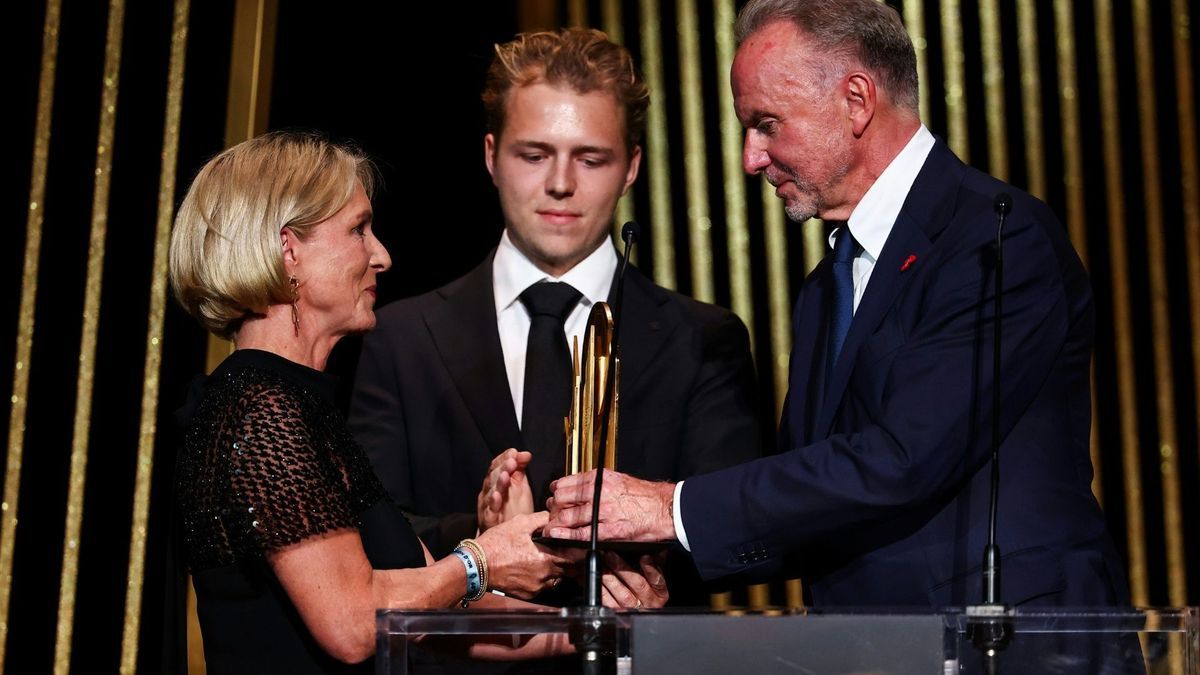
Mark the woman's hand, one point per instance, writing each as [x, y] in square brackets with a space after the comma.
[516, 565]
[623, 587]
[505, 493]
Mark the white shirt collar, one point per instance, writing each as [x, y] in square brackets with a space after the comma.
[872, 219]
[513, 272]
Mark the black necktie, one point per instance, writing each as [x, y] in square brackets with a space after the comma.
[547, 381]
[844, 250]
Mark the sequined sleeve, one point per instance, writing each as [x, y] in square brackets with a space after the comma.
[270, 466]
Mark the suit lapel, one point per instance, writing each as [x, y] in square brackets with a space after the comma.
[644, 328]
[806, 378]
[463, 328]
[917, 226]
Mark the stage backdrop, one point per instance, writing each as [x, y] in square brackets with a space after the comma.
[114, 106]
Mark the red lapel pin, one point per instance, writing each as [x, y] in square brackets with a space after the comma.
[912, 258]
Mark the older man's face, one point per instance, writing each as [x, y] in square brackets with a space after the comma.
[798, 129]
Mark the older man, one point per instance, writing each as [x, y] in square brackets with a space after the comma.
[881, 496]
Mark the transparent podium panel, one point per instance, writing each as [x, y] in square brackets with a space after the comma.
[875, 640]
[787, 643]
[1083, 641]
[433, 633]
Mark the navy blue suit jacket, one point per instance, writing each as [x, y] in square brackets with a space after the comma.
[880, 494]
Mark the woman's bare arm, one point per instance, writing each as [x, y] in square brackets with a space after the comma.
[330, 581]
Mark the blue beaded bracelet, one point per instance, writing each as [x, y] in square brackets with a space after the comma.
[474, 587]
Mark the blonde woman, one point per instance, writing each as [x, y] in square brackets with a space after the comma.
[273, 248]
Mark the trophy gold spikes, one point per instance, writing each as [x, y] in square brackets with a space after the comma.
[590, 428]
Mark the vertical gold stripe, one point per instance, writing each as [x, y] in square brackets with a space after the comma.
[158, 296]
[737, 227]
[1189, 171]
[1031, 97]
[29, 276]
[1126, 376]
[661, 225]
[722, 601]
[251, 62]
[914, 20]
[695, 166]
[1072, 147]
[87, 346]
[794, 592]
[577, 14]
[1159, 305]
[956, 94]
[778, 289]
[1072, 151]
[1094, 441]
[741, 293]
[612, 16]
[758, 596]
[195, 641]
[613, 25]
[250, 69]
[816, 243]
[993, 88]
[535, 15]
[218, 350]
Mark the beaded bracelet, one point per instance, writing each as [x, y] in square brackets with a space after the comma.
[477, 550]
[475, 588]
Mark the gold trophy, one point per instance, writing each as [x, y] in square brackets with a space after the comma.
[590, 427]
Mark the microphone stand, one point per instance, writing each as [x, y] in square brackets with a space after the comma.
[592, 640]
[989, 624]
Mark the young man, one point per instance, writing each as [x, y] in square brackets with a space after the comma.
[451, 379]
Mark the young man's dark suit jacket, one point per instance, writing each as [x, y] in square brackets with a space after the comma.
[881, 494]
[432, 405]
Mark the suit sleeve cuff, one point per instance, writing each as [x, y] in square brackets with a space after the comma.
[680, 534]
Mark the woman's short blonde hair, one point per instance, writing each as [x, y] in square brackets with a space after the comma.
[226, 259]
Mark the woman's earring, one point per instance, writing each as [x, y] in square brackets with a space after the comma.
[295, 298]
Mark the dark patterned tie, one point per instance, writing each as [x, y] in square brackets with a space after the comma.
[844, 250]
[547, 381]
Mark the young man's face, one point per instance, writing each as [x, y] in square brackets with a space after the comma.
[560, 164]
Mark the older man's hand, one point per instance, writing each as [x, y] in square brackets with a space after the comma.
[631, 509]
[623, 587]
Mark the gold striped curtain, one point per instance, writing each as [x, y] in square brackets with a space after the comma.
[1089, 105]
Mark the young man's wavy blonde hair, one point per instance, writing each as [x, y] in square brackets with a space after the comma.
[583, 59]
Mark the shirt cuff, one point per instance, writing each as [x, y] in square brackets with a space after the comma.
[680, 534]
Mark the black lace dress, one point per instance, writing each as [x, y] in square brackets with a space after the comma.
[267, 461]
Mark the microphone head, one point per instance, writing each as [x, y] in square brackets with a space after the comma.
[1002, 204]
[630, 230]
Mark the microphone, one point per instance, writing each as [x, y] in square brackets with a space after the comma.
[991, 554]
[629, 233]
[589, 636]
[989, 627]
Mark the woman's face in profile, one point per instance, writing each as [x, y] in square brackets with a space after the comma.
[336, 268]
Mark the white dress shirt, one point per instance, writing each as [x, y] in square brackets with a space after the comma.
[512, 273]
[870, 222]
[872, 219]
